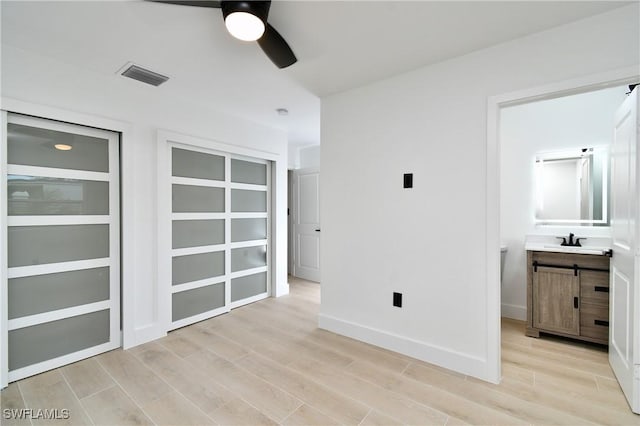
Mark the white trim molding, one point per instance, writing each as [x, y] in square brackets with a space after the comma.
[4, 296]
[447, 358]
[516, 312]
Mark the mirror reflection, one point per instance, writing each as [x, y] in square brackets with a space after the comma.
[571, 187]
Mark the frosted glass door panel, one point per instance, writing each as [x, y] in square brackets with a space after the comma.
[243, 200]
[34, 195]
[248, 229]
[248, 258]
[248, 172]
[197, 301]
[30, 345]
[42, 293]
[197, 199]
[36, 245]
[194, 267]
[34, 146]
[192, 164]
[248, 286]
[196, 233]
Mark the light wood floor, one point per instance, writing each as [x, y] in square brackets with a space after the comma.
[268, 363]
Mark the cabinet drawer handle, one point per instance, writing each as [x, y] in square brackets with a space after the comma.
[601, 288]
[601, 322]
[575, 302]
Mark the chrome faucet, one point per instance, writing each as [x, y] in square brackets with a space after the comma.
[571, 242]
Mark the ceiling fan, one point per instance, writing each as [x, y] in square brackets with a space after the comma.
[247, 21]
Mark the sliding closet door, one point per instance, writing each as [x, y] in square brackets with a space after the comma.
[219, 233]
[249, 231]
[63, 259]
[198, 264]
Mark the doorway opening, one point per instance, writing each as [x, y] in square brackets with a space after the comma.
[500, 108]
[548, 148]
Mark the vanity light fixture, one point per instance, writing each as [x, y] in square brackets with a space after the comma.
[63, 147]
[245, 20]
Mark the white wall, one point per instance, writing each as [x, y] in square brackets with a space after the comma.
[430, 242]
[578, 121]
[310, 157]
[304, 157]
[143, 110]
[294, 156]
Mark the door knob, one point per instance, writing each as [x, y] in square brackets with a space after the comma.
[318, 230]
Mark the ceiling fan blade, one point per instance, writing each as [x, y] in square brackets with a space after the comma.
[276, 48]
[200, 3]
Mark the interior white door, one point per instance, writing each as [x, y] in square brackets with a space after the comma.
[307, 225]
[624, 321]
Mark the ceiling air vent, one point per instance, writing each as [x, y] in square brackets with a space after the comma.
[144, 75]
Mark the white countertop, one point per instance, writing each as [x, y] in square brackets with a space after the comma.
[594, 245]
[566, 249]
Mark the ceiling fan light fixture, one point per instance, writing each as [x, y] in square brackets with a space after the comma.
[244, 26]
[245, 20]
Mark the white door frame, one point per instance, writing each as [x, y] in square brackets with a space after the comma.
[126, 213]
[617, 77]
[4, 305]
[291, 266]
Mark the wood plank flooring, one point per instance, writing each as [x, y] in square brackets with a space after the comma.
[268, 363]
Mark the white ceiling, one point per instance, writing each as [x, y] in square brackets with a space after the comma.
[339, 45]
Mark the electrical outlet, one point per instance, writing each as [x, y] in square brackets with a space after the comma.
[408, 180]
[397, 299]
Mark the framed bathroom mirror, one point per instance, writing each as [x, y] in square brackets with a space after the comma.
[571, 187]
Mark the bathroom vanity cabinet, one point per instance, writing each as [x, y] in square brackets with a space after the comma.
[568, 295]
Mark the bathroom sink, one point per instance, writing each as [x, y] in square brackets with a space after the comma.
[572, 249]
[593, 245]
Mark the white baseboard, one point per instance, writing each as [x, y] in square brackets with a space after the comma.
[146, 334]
[443, 357]
[514, 312]
[280, 289]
